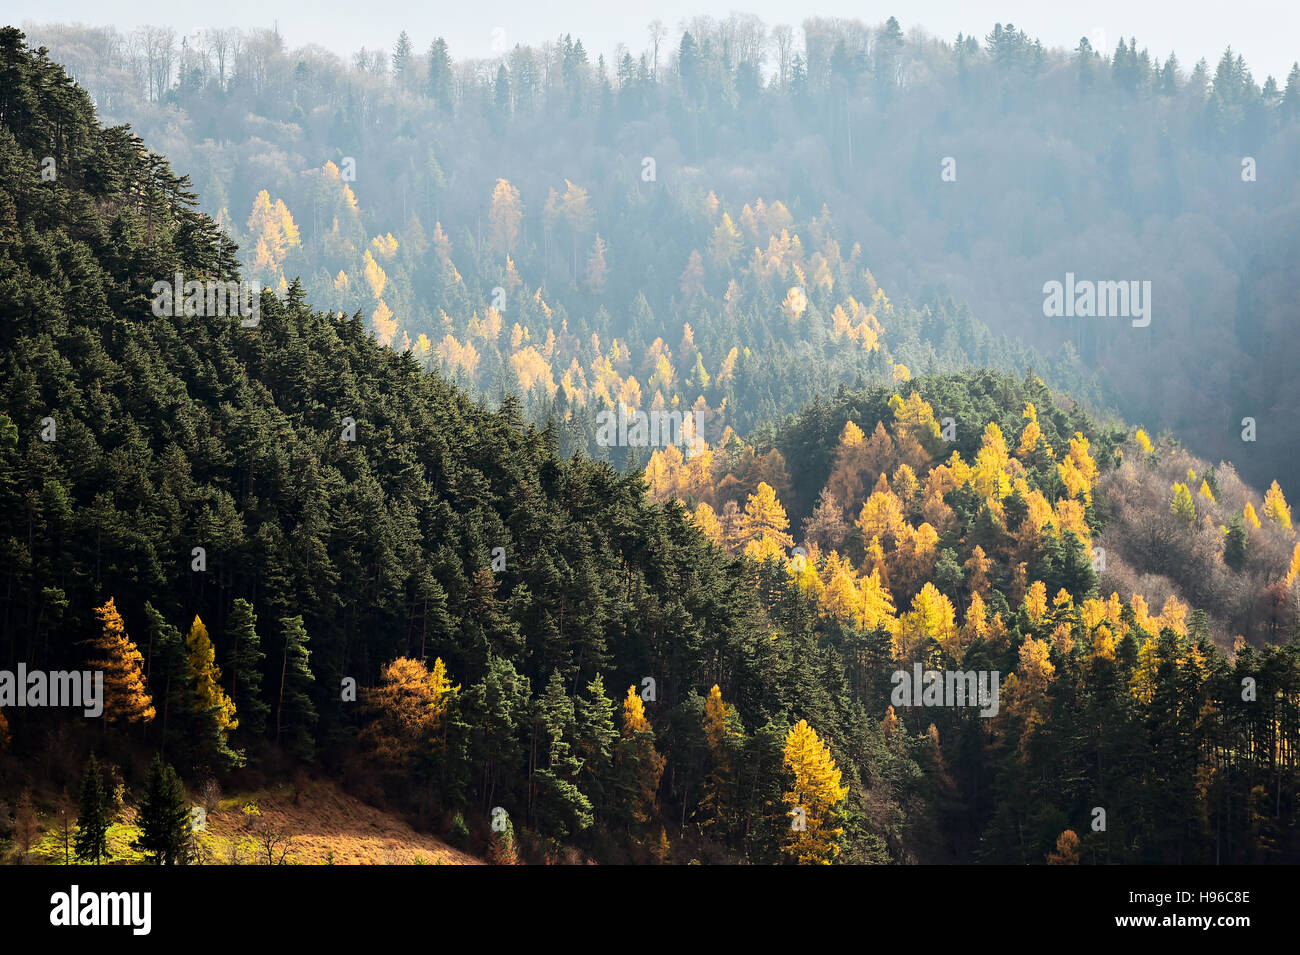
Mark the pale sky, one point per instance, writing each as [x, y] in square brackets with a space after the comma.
[1266, 32]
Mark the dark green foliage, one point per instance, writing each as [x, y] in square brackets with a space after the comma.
[295, 715]
[195, 431]
[164, 817]
[246, 660]
[91, 840]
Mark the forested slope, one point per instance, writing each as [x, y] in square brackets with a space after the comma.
[533, 639]
[698, 175]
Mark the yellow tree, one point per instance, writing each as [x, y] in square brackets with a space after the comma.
[841, 596]
[505, 216]
[692, 283]
[1078, 470]
[205, 678]
[977, 571]
[1275, 506]
[126, 699]
[706, 519]
[989, 474]
[1067, 849]
[813, 838]
[725, 243]
[1036, 602]
[719, 732]
[882, 517]
[410, 708]
[1182, 505]
[932, 617]
[1032, 435]
[875, 604]
[764, 525]
[845, 482]
[640, 765]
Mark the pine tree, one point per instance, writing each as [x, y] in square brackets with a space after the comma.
[92, 816]
[1235, 544]
[595, 740]
[164, 817]
[440, 75]
[559, 807]
[246, 659]
[295, 715]
[168, 649]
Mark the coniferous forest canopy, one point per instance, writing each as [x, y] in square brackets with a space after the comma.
[374, 558]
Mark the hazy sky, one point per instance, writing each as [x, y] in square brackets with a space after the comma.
[1266, 32]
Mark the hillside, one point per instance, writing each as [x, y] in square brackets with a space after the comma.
[316, 824]
[703, 176]
[289, 547]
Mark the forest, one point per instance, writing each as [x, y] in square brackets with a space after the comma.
[368, 541]
[494, 215]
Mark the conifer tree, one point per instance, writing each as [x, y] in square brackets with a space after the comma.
[639, 765]
[126, 697]
[164, 817]
[295, 715]
[246, 659]
[212, 712]
[560, 808]
[168, 649]
[91, 841]
[1183, 507]
[813, 800]
[595, 739]
[1275, 506]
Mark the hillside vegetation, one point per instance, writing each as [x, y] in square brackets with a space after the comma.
[401, 589]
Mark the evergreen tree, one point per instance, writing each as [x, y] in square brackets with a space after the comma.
[164, 817]
[295, 716]
[246, 661]
[91, 841]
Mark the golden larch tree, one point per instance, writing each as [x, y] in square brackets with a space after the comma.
[126, 698]
[205, 678]
[1275, 506]
[504, 217]
[813, 836]
[763, 530]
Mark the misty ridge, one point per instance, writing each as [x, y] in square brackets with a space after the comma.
[964, 173]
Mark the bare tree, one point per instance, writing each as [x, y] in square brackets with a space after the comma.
[275, 841]
[218, 41]
[657, 32]
[65, 825]
[26, 826]
[783, 36]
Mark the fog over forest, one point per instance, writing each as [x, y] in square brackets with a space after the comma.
[1114, 165]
